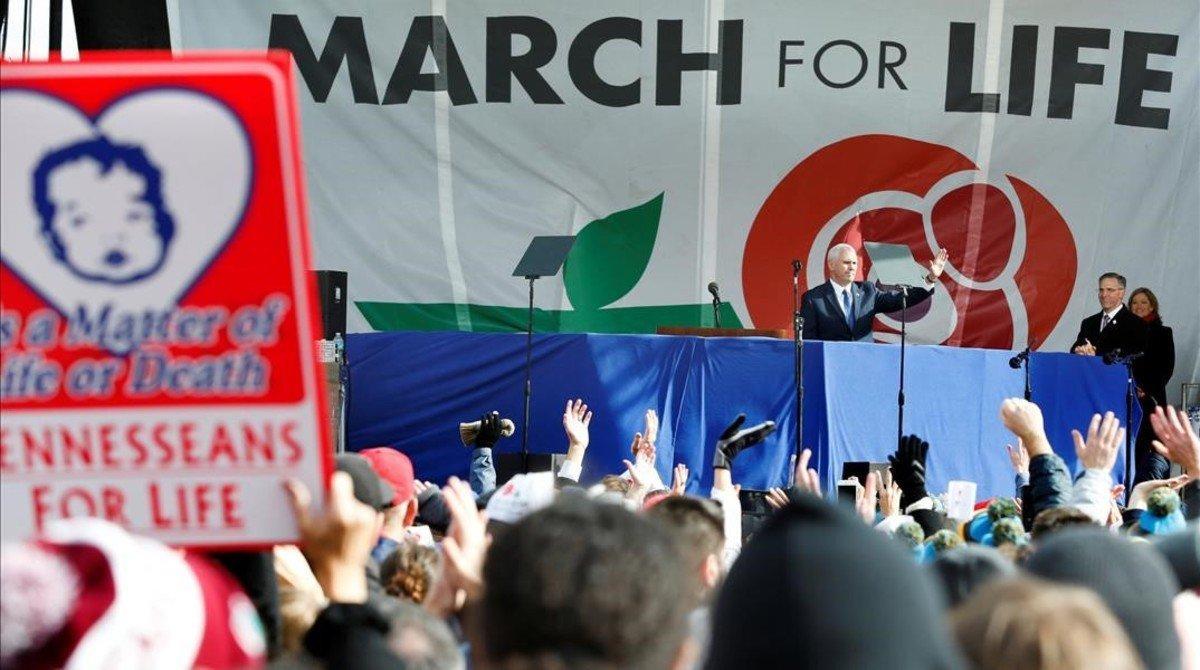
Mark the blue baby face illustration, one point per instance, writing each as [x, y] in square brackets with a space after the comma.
[102, 211]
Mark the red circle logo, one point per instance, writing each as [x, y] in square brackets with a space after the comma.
[996, 292]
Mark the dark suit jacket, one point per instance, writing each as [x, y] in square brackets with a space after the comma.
[1125, 332]
[824, 320]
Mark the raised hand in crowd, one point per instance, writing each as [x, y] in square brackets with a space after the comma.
[1025, 421]
[490, 431]
[1140, 495]
[650, 430]
[908, 468]
[734, 439]
[1104, 437]
[576, 419]
[804, 480]
[1177, 440]
[337, 541]
[679, 479]
[889, 496]
[1019, 457]
[867, 498]
[466, 541]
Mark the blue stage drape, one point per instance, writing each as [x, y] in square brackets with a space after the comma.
[411, 390]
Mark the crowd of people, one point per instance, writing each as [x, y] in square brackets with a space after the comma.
[543, 572]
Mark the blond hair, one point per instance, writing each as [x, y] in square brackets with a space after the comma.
[1030, 624]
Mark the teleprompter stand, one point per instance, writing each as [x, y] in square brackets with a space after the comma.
[543, 258]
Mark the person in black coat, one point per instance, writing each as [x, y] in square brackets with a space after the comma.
[1152, 372]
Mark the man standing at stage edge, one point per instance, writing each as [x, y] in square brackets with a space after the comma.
[1115, 330]
[843, 310]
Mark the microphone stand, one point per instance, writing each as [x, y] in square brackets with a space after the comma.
[528, 379]
[903, 337]
[716, 303]
[1130, 392]
[798, 339]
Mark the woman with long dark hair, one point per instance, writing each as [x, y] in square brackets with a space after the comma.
[1152, 372]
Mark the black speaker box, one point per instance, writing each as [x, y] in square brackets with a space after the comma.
[331, 298]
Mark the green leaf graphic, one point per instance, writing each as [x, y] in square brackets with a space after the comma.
[610, 255]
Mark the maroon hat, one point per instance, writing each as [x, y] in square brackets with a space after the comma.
[394, 468]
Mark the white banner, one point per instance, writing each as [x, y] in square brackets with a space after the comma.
[1041, 143]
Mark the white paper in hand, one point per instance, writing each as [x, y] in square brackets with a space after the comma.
[960, 500]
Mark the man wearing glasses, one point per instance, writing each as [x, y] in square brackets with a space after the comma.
[1115, 329]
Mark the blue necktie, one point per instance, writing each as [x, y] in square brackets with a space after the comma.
[848, 308]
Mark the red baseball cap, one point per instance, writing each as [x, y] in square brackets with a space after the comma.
[394, 468]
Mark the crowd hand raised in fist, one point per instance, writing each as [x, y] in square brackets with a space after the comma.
[1025, 421]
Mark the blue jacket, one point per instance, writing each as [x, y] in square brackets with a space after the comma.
[824, 319]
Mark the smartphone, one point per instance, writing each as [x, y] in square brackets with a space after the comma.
[847, 493]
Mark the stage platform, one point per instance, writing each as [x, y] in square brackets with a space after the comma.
[410, 390]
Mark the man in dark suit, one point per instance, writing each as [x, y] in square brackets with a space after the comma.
[1118, 331]
[842, 310]
[1115, 330]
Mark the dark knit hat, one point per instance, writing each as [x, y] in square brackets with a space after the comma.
[966, 568]
[816, 588]
[1132, 579]
[1182, 551]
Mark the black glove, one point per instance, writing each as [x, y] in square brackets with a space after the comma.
[733, 440]
[908, 469]
[489, 431]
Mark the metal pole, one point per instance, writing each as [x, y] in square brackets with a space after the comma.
[528, 380]
[798, 338]
[903, 337]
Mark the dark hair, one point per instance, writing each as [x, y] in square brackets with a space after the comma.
[1142, 290]
[1112, 275]
[421, 640]
[1057, 518]
[106, 154]
[410, 571]
[696, 524]
[587, 582]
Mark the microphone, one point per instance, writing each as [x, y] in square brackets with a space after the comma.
[716, 294]
[795, 267]
[1015, 361]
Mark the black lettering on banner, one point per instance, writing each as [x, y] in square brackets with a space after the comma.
[346, 42]
[1136, 78]
[862, 59]
[960, 65]
[1066, 71]
[503, 66]
[429, 34]
[581, 61]
[1021, 70]
[672, 62]
[890, 66]
[784, 61]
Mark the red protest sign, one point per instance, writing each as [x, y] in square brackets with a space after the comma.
[156, 318]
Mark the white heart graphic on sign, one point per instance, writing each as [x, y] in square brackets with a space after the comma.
[119, 215]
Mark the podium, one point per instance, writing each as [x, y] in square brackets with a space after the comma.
[776, 333]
